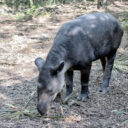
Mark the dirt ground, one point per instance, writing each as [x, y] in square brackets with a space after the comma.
[21, 42]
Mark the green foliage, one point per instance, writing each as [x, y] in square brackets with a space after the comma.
[32, 8]
[124, 20]
[36, 3]
[121, 63]
[17, 3]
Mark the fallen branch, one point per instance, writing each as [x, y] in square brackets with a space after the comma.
[66, 99]
[16, 113]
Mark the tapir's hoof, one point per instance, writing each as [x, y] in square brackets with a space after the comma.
[83, 97]
[104, 89]
[66, 98]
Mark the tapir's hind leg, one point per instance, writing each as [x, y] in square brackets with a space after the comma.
[107, 73]
[103, 62]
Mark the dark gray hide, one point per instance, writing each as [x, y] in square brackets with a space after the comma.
[78, 43]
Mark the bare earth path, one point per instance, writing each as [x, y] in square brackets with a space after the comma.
[21, 42]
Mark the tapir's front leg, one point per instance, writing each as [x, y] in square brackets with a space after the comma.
[69, 82]
[84, 94]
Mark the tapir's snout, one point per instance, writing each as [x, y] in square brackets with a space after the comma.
[42, 109]
[44, 104]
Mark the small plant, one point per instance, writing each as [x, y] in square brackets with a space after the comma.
[124, 20]
[121, 63]
[31, 10]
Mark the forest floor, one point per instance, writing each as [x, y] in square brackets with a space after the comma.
[21, 41]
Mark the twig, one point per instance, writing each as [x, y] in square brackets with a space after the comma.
[124, 122]
[68, 97]
[18, 112]
[32, 96]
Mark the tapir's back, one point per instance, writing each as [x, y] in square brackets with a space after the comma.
[90, 36]
[94, 25]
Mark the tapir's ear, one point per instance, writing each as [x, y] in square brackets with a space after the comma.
[57, 69]
[39, 62]
[60, 67]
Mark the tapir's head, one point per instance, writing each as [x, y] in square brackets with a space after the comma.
[51, 80]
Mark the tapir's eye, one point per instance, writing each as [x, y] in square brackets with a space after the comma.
[41, 86]
[39, 79]
[50, 92]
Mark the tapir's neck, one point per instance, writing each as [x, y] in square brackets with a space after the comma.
[56, 56]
